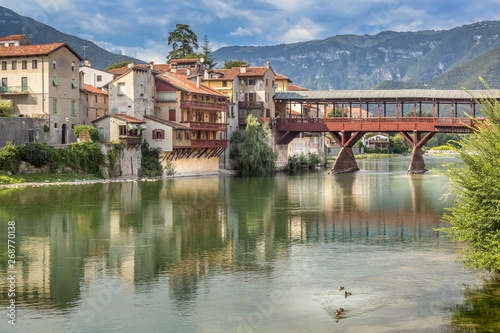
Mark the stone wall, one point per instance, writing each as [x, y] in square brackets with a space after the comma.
[129, 160]
[23, 130]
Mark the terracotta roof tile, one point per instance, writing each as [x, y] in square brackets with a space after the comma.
[282, 77]
[292, 87]
[30, 50]
[181, 82]
[92, 89]
[119, 70]
[127, 118]
[13, 37]
[168, 123]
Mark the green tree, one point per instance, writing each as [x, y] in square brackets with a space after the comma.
[337, 112]
[398, 144]
[183, 41]
[208, 58]
[235, 63]
[118, 65]
[253, 154]
[475, 216]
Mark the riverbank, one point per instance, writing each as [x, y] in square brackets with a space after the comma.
[41, 180]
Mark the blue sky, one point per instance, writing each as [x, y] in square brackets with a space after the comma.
[141, 28]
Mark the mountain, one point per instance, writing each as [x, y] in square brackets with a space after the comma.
[12, 23]
[465, 75]
[361, 62]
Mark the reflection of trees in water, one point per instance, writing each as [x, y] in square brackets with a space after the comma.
[480, 311]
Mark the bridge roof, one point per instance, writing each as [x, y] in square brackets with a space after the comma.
[385, 95]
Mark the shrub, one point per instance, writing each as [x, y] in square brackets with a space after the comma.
[10, 159]
[170, 168]
[150, 162]
[112, 157]
[314, 160]
[93, 132]
[90, 157]
[37, 154]
[6, 109]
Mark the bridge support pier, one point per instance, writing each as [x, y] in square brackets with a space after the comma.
[345, 161]
[417, 164]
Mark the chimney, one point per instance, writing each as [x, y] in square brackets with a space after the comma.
[198, 81]
[173, 68]
[188, 71]
[205, 74]
[151, 64]
[87, 62]
[268, 64]
[243, 69]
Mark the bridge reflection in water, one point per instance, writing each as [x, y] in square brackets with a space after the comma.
[451, 113]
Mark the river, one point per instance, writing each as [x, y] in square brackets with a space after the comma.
[229, 254]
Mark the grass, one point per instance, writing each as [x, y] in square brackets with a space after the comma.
[43, 178]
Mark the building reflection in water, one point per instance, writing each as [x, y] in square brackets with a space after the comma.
[184, 230]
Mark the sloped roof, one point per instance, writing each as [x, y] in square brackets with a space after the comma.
[124, 117]
[231, 74]
[181, 82]
[282, 77]
[31, 50]
[168, 123]
[14, 37]
[92, 89]
[292, 87]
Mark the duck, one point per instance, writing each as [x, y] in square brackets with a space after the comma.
[347, 294]
[338, 316]
[341, 310]
[338, 313]
[341, 288]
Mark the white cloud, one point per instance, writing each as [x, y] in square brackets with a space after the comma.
[299, 33]
[241, 32]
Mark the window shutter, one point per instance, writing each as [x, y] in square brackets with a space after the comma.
[154, 136]
[163, 134]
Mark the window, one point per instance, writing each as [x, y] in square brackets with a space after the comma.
[224, 83]
[73, 108]
[96, 100]
[4, 65]
[55, 81]
[74, 84]
[179, 135]
[2, 44]
[14, 65]
[121, 88]
[164, 96]
[267, 82]
[72, 126]
[187, 135]
[251, 82]
[34, 64]
[158, 134]
[4, 84]
[54, 64]
[99, 78]
[24, 84]
[141, 89]
[24, 64]
[73, 66]
[12, 44]
[54, 107]
[122, 129]
[55, 125]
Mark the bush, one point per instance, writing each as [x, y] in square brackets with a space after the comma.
[90, 157]
[37, 154]
[10, 159]
[150, 162]
[314, 160]
[384, 151]
[475, 218]
[93, 132]
[6, 109]
[112, 156]
[170, 168]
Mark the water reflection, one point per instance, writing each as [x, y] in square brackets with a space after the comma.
[182, 234]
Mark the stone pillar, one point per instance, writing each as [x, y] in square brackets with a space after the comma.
[345, 161]
[417, 164]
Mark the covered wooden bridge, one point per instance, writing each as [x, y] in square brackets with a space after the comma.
[417, 114]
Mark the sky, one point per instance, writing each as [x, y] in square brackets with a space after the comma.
[141, 28]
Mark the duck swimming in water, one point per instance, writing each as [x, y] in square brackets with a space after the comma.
[347, 294]
[341, 288]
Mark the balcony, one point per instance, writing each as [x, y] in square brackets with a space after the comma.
[250, 105]
[130, 140]
[208, 106]
[201, 143]
[15, 90]
[196, 125]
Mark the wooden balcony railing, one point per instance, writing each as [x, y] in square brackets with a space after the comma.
[130, 140]
[14, 90]
[197, 125]
[201, 143]
[209, 106]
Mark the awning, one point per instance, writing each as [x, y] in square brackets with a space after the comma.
[131, 127]
[55, 81]
[141, 127]
[73, 83]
